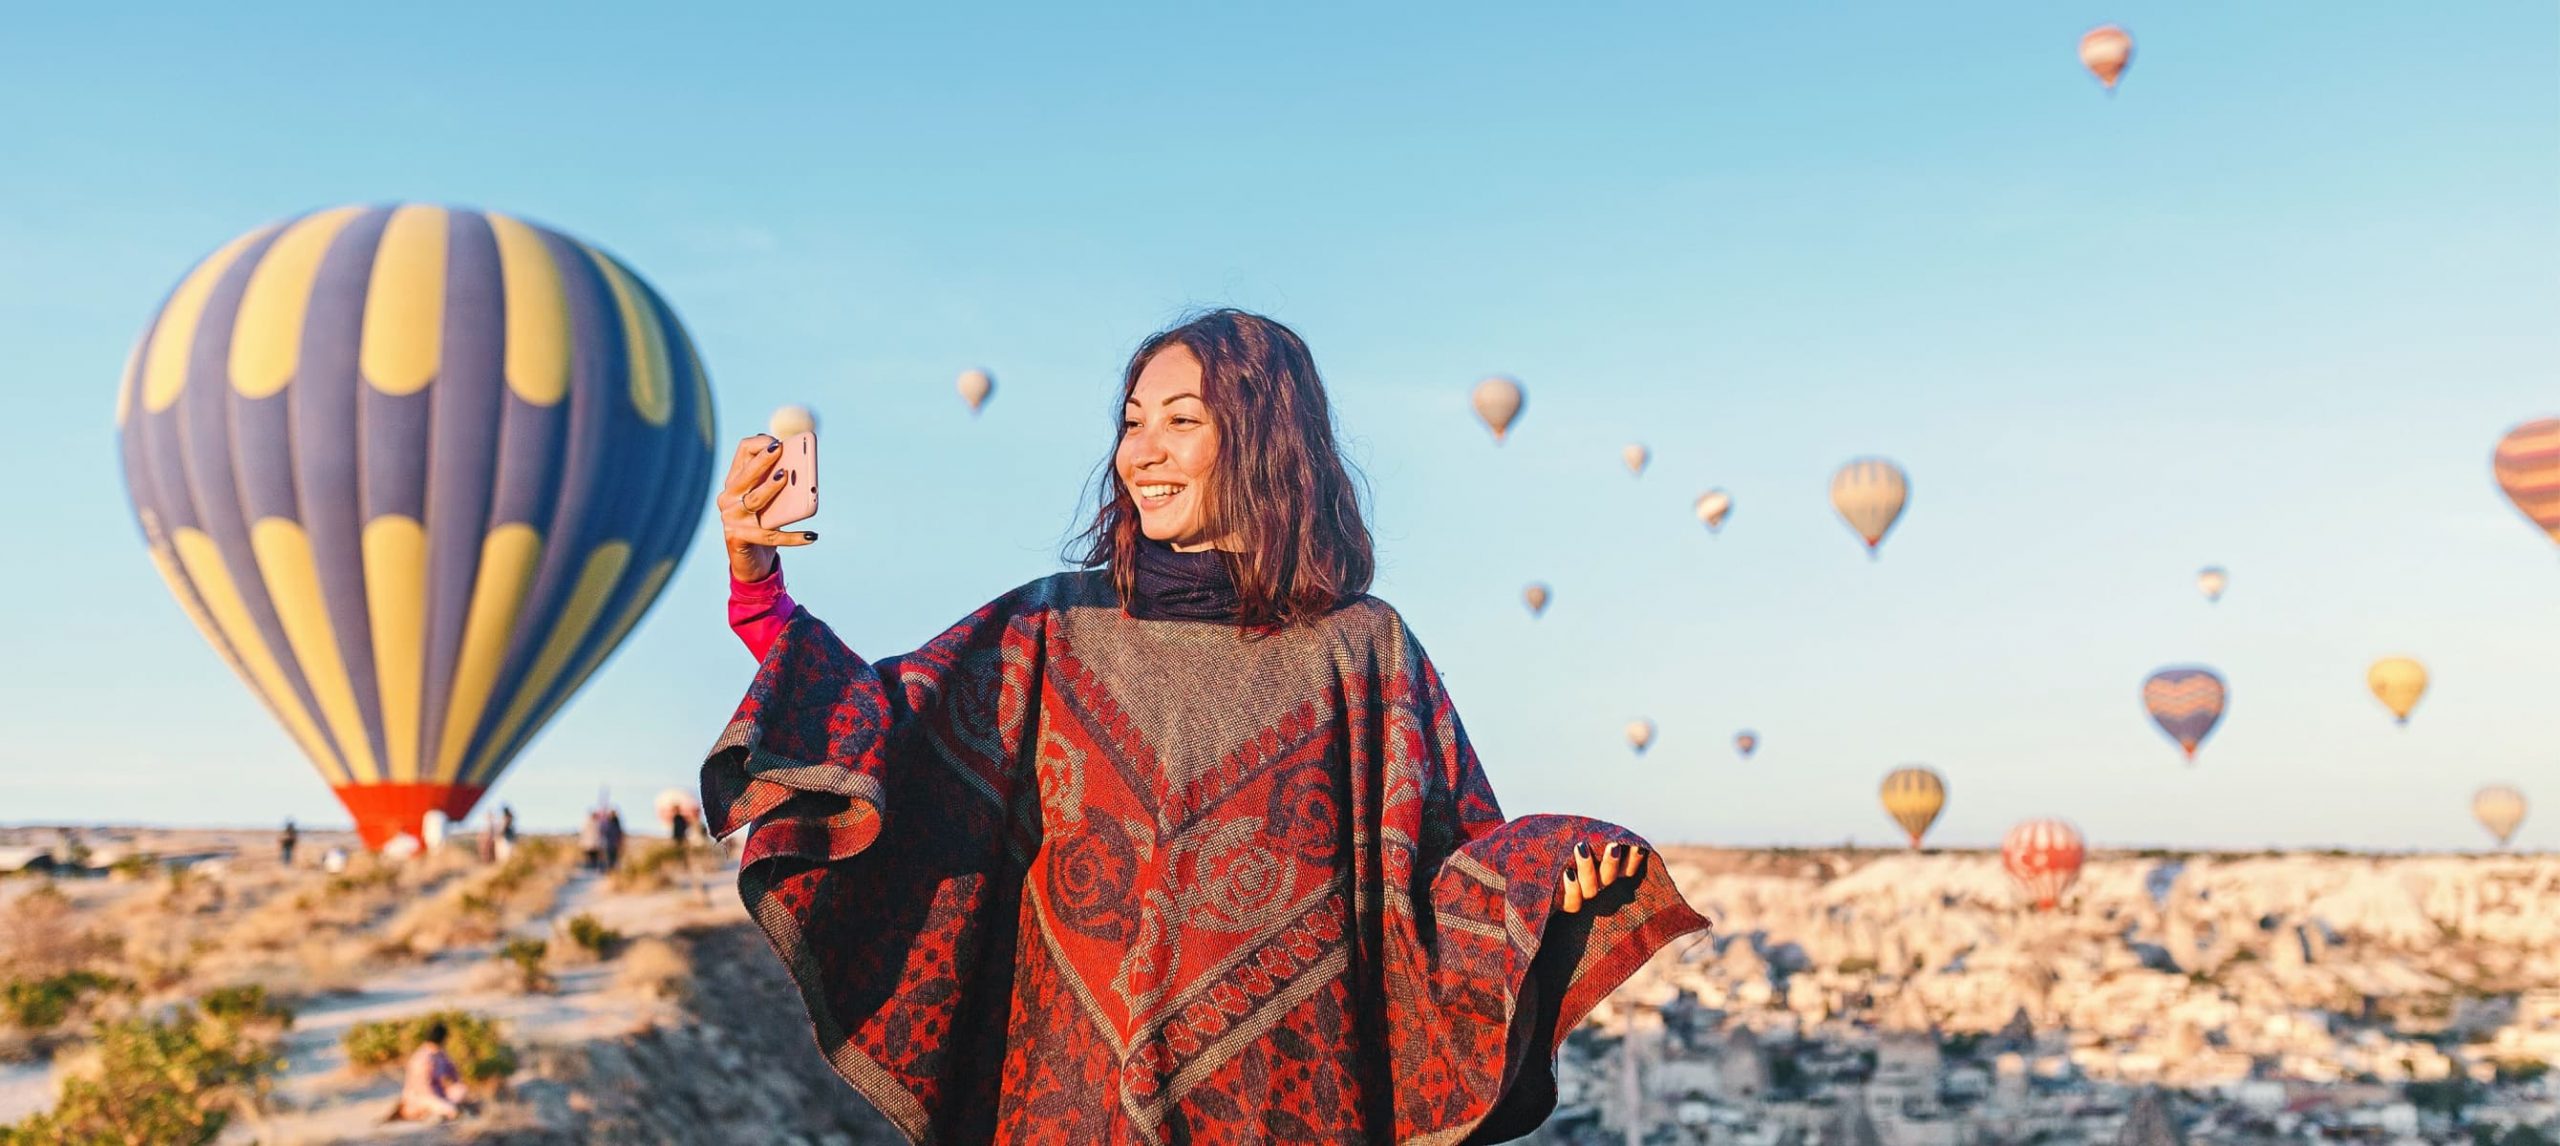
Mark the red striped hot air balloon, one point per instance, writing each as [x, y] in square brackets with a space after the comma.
[2527, 463]
[2186, 703]
[2044, 857]
[2105, 51]
[414, 472]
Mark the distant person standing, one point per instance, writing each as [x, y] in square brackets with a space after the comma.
[506, 831]
[489, 837]
[612, 839]
[591, 840]
[285, 840]
[680, 829]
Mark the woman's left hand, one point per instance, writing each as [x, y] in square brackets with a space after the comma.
[1583, 880]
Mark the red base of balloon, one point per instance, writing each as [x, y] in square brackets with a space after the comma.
[384, 812]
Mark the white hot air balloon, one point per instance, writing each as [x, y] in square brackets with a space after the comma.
[1869, 494]
[1498, 400]
[1712, 507]
[1640, 735]
[976, 386]
[2211, 581]
[2499, 808]
[791, 419]
[1636, 456]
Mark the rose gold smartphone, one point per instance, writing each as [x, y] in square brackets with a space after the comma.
[798, 500]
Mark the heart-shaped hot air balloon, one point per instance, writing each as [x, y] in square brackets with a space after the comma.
[2186, 703]
[414, 472]
[2527, 464]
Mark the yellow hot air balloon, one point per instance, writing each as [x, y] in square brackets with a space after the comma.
[1912, 796]
[1869, 493]
[1636, 456]
[1498, 400]
[2499, 808]
[1640, 735]
[1536, 595]
[975, 387]
[2398, 682]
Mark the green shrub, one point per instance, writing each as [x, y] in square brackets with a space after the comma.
[474, 1042]
[42, 1004]
[596, 938]
[527, 955]
[133, 866]
[246, 1005]
[173, 1083]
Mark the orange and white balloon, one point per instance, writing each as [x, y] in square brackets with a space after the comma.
[2527, 464]
[1712, 507]
[2044, 857]
[2106, 50]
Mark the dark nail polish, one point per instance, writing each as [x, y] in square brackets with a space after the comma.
[778, 475]
[1582, 851]
[1612, 853]
[808, 537]
[777, 444]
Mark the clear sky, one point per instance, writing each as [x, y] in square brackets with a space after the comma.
[2270, 306]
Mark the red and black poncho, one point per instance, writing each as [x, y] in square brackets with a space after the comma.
[1063, 875]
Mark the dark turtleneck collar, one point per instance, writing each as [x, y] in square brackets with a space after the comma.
[1173, 586]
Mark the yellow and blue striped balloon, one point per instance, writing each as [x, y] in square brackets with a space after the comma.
[414, 471]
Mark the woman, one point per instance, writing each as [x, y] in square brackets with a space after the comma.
[430, 1088]
[1187, 846]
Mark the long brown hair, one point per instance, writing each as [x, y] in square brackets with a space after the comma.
[1281, 490]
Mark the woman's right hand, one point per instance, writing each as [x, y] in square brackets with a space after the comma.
[751, 486]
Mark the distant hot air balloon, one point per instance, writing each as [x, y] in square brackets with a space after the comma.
[675, 800]
[2211, 581]
[1536, 595]
[2186, 703]
[2397, 682]
[2044, 856]
[2527, 464]
[1913, 796]
[1746, 742]
[2500, 809]
[414, 472]
[1636, 456]
[1498, 401]
[1870, 494]
[789, 420]
[976, 386]
[1712, 507]
[1640, 734]
[2105, 51]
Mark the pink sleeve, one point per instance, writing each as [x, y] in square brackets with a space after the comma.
[758, 610]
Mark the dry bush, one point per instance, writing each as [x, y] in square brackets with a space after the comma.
[41, 935]
[655, 968]
[331, 965]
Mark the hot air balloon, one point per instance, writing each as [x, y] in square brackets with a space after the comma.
[2186, 703]
[2500, 809]
[2211, 581]
[976, 386]
[414, 472]
[674, 800]
[1536, 595]
[2527, 464]
[1913, 796]
[1870, 493]
[1712, 507]
[1746, 742]
[1636, 456]
[1640, 734]
[2105, 51]
[1498, 401]
[2044, 856]
[2397, 682]
[789, 420]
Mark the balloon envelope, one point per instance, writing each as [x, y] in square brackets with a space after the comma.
[2397, 682]
[2211, 581]
[1746, 742]
[1712, 507]
[1640, 735]
[1636, 456]
[975, 387]
[1536, 595]
[2044, 856]
[789, 420]
[2527, 465]
[1869, 494]
[2106, 50]
[2186, 703]
[2500, 808]
[1498, 400]
[414, 472]
[674, 800]
[1913, 796]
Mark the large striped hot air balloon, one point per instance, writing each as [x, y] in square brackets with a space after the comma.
[2186, 703]
[2397, 682]
[1913, 796]
[2527, 463]
[2044, 856]
[2499, 808]
[1869, 493]
[414, 472]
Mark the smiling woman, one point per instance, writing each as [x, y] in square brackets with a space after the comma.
[1187, 845]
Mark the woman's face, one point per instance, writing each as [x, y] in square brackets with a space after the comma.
[1167, 446]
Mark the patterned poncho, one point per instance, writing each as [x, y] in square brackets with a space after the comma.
[1062, 875]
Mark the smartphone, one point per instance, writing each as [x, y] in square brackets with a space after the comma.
[798, 500]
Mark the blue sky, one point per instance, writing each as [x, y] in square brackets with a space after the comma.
[2270, 306]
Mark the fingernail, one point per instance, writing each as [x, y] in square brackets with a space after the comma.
[808, 537]
[1582, 851]
[1612, 853]
[776, 444]
[778, 475]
